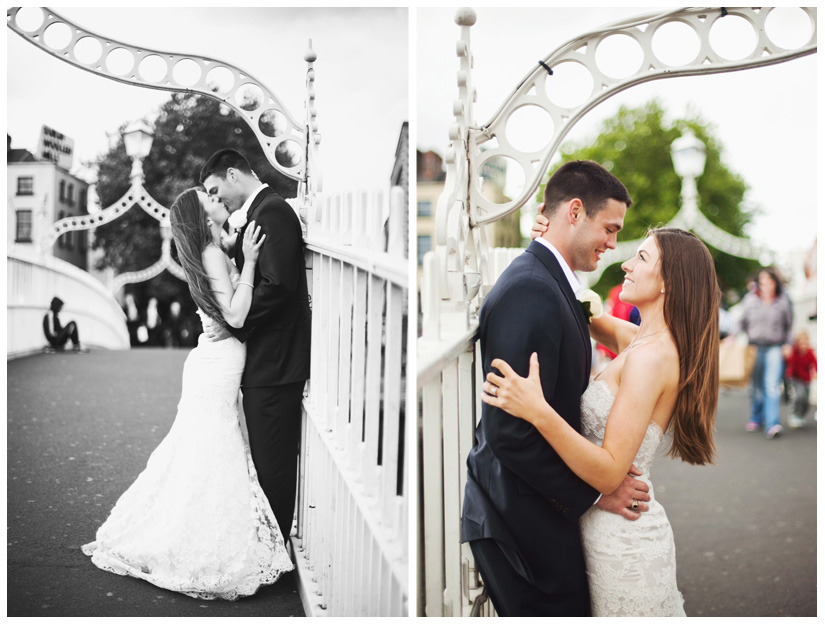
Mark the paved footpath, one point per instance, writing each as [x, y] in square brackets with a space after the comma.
[745, 528]
[80, 429]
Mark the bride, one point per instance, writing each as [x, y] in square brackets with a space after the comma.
[664, 379]
[196, 520]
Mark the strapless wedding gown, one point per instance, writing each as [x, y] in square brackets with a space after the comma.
[631, 565]
[196, 520]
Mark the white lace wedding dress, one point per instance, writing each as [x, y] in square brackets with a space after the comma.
[631, 565]
[196, 520]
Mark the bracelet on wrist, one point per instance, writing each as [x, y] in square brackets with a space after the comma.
[249, 284]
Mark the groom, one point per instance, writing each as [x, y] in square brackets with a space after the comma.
[521, 502]
[277, 328]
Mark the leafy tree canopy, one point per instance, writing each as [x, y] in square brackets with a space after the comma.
[635, 146]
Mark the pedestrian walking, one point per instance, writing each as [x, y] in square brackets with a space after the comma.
[767, 319]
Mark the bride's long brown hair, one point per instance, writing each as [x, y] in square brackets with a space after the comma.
[192, 235]
[691, 311]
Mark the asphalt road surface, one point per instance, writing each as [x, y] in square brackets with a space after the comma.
[745, 528]
[80, 429]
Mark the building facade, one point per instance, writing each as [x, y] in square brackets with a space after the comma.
[39, 193]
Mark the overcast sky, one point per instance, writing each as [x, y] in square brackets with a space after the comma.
[361, 77]
[765, 118]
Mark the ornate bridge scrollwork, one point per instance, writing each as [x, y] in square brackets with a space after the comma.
[539, 96]
[281, 137]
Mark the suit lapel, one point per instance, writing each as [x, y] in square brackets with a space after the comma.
[552, 265]
[250, 216]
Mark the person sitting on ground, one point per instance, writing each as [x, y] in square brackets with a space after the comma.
[56, 333]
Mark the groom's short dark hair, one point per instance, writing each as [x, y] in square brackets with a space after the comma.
[586, 180]
[222, 160]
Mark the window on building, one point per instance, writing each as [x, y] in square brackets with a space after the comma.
[83, 200]
[24, 227]
[424, 246]
[62, 190]
[70, 194]
[425, 208]
[25, 185]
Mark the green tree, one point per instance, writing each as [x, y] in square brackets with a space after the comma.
[635, 146]
[188, 129]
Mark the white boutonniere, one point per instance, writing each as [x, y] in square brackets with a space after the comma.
[237, 220]
[591, 304]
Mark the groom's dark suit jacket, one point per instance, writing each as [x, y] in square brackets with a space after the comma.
[519, 492]
[279, 322]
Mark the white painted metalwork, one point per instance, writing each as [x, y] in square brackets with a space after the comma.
[281, 137]
[351, 546]
[32, 280]
[353, 502]
[462, 269]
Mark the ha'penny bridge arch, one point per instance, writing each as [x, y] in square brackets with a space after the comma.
[463, 267]
[351, 543]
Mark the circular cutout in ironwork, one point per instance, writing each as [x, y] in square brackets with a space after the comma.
[529, 128]
[30, 19]
[288, 154]
[500, 179]
[88, 50]
[272, 123]
[249, 97]
[788, 27]
[732, 37]
[619, 56]
[220, 80]
[57, 36]
[570, 85]
[153, 68]
[120, 61]
[676, 43]
[186, 72]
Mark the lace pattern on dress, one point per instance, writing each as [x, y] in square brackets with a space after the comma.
[196, 520]
[631, 565]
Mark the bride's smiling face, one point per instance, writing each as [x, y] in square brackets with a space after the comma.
[214, 208]
[643, 275]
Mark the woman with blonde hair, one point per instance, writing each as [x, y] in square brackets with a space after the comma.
[663, 381]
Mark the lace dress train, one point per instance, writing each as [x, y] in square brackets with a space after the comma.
[196, 520]
[631, 565]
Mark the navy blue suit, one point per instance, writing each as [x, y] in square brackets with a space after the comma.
[521, 500]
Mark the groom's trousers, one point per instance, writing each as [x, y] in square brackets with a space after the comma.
[273, 420]
[512, 595]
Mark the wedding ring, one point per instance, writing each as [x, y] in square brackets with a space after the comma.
[494, 392]
[634, 505]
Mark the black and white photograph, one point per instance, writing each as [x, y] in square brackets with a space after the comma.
[207, 260]
[617, 272]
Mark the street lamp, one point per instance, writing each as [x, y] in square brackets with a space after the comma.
[688, 154]
[138, 141]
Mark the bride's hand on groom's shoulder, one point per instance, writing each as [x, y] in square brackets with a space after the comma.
[521, 397]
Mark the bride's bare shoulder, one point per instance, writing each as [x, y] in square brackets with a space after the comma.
[659, 360]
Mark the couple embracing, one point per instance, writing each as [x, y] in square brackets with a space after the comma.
[210, 513]
[559, 509]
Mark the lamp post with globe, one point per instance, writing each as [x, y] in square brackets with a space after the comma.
[688, 155]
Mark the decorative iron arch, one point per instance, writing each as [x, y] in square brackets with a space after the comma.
[292, 149]
[462, 209]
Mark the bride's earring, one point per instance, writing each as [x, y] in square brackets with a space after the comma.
[663, 291]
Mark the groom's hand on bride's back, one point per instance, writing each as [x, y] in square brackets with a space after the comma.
[215, 331]
[620, 500]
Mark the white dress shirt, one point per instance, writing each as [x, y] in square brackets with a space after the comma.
[568, 273]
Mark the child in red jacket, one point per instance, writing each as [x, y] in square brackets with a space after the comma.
[801, 368]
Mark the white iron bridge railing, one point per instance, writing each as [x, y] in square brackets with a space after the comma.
[463, 268]
[32, 280]
[352, 546]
